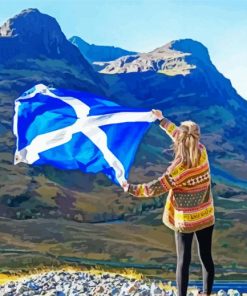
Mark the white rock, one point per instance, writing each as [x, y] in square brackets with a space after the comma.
[8, 289]
[56, 278]
[221, 292]
[233, 292]
[123, 289]
[59, 288]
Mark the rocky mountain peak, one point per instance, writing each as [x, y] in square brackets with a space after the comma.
[30, 23]
[176, 57]
[31, 34]
[40, 31]
[32, 37]
[196, 48]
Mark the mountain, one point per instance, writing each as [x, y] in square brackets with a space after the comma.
[180, 79]
[31, 40]
[32, 34]
[94, 53]
[33, 49]
[161, 60]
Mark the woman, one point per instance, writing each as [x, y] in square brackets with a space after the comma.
[189, 206]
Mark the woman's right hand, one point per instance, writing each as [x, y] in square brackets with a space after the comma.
[158, 114]
[125, 186]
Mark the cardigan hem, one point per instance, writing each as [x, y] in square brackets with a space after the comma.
[199, 227]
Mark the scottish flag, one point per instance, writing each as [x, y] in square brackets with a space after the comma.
[78, 130]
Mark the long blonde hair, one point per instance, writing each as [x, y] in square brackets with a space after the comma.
[186, 146]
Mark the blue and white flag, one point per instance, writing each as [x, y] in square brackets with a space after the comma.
[78, 130]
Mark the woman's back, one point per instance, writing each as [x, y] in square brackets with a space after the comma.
[191, 198]
[189, 205]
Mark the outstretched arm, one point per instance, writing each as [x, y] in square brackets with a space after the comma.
[170, 128]
[167, 125]
[151, 189]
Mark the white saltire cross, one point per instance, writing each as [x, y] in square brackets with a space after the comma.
[88, 125]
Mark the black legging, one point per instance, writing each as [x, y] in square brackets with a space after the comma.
[183, 248]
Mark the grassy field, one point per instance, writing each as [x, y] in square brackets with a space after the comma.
[140, 241]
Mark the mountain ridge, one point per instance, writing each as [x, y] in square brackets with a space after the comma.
[94, 52]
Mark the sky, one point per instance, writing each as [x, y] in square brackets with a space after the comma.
[143, 25]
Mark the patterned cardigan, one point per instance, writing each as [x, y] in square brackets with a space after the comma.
[189, 205]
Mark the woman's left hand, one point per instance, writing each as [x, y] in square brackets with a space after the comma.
[158, 114]
[125, 186]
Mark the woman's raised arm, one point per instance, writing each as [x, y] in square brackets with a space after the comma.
[167, 125]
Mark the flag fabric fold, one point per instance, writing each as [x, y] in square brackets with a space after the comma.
[78, 130]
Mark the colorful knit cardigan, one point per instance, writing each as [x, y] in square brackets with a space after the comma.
[189, 205]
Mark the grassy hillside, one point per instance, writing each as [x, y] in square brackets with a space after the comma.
[139, 241]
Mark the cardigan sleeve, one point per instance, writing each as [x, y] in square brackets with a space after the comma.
[169, 127]
[153, 188]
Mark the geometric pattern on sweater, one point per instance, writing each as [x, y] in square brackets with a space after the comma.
[198, 180]
[188, 219]
[189, 200]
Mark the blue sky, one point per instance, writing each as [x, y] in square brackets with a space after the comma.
[142, 25]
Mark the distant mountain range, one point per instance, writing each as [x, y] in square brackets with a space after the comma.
[178, 78]
[94, 53]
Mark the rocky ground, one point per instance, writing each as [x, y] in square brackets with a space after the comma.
[61, 283]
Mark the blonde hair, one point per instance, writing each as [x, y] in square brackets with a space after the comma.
[186, 145]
